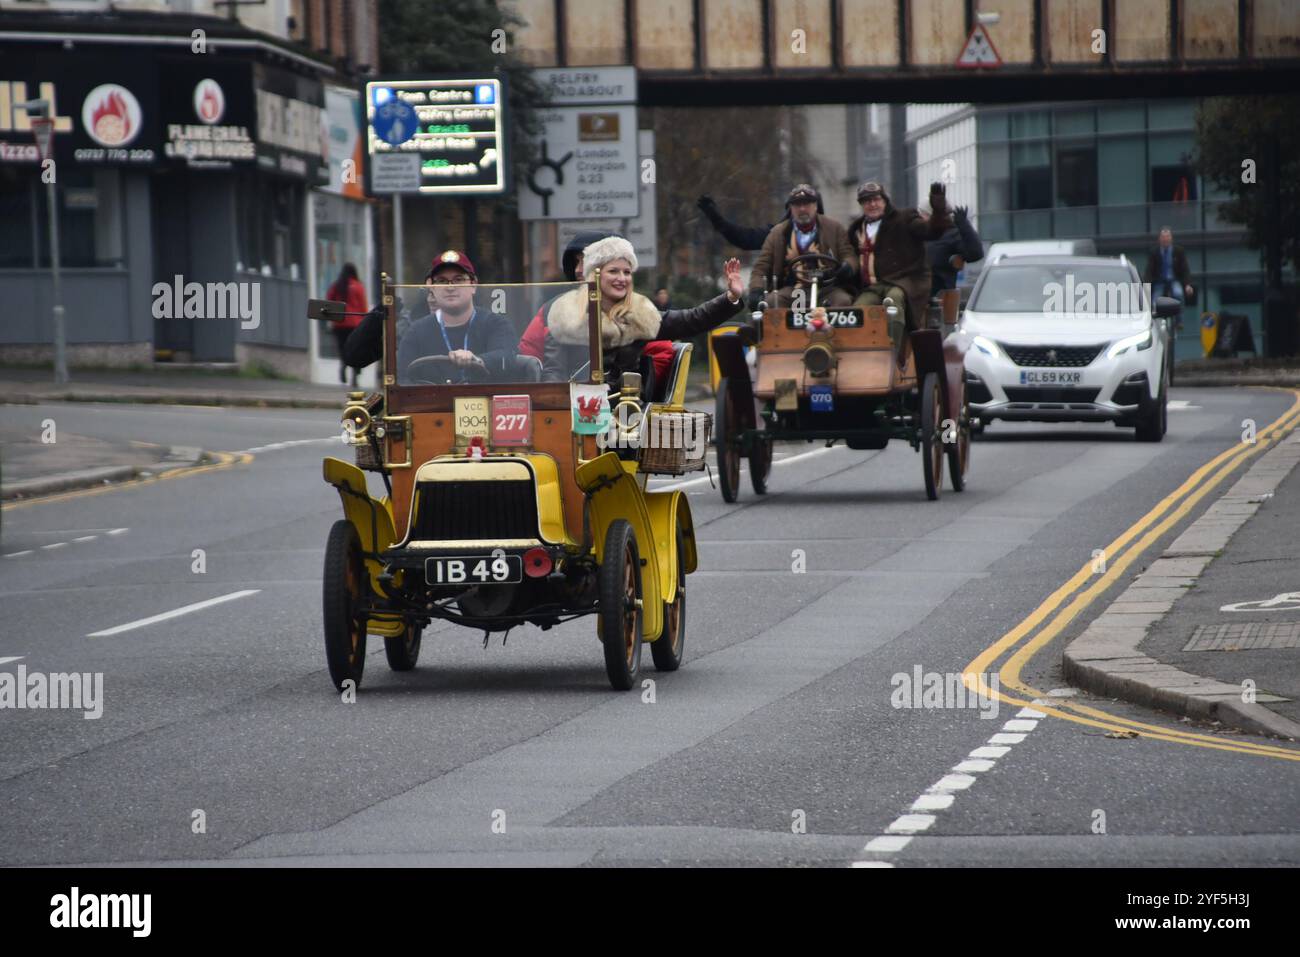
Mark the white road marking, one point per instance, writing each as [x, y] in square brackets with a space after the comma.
[932, 802]
[154, 619]
[1181, 405]
[940, 796]
[276, 446]
[1021, 724]
[86, 538]
[18, 554]
[1030, 713]
[888, 843]
[911, 824]
[786, 461]
[872, 864]
[55, 545]
[952, 782]
[5, 661]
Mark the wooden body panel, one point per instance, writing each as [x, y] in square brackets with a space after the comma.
[865, 357]
[1208, 29]
[434, 435]
[1013, 34]
[869, 30]
[936, 31]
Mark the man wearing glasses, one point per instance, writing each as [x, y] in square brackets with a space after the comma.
[478, 345]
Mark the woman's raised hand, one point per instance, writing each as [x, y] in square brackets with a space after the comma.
[731, 269]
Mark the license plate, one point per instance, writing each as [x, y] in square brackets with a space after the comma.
[837, 318]
[474, 570]
[1049, 377]
[821, 398]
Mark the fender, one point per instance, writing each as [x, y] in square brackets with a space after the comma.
[372, 518]
[668, 512]
[613, 493]
[730, 353]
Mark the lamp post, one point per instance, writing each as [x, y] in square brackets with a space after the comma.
[43, 129]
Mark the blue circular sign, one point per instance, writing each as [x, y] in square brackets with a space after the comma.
[395, 121]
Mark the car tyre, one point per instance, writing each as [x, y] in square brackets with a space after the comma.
[403, 651]
[1155, 421]
[724, 429]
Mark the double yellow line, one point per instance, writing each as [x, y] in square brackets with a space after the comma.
[1017, 647]
[223, 460]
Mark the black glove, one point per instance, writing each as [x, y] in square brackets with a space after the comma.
[755, 297]
[709, 208]
[937, 198]
[959, 214]
[844, 274]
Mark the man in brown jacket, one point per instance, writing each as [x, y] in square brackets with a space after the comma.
[806, 231]
[894, 267]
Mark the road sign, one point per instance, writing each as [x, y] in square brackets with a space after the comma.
[43, 130]
[642, 231]
[586, 165]
[978, 51]
[436, 136]
[395, 121]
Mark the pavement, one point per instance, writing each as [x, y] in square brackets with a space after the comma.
[1210, 629]
[1201, 373]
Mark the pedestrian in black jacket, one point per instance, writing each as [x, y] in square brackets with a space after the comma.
[950, 253]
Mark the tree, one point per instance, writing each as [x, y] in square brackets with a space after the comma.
[747, 170]
[1250, 148]
[465, 37]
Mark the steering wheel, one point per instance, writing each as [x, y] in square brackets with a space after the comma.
[431, 370]
[825, 276]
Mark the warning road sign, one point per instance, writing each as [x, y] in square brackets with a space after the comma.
[979, 51]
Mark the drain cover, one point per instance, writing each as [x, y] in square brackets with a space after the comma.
[1245, 637]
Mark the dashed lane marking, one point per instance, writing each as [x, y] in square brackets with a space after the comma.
[175, 613]
[941, 795]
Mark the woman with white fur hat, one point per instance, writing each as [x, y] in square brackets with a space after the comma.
[628, 319]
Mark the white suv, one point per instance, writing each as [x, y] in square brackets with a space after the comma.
[1067, 338]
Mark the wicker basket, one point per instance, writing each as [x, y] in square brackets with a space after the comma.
[668, 439]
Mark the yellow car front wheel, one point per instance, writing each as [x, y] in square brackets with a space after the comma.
[620, 605]
[345, 582]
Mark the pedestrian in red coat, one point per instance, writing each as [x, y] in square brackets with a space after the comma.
[347, 289]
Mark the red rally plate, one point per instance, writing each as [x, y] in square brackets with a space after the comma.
[512, 420]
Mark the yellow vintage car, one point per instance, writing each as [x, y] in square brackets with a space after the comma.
[508, 500]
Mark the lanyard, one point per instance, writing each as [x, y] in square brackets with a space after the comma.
[443, 329]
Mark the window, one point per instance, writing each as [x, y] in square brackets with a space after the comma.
[1172, 178]
[270, 225]
[1076, 174]
[90, 219]
[1032, 176]
[995, 177]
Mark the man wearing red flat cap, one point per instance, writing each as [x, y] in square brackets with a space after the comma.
[479, 345]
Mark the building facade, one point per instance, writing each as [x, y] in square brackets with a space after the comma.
[203, 174]
[1113, 171]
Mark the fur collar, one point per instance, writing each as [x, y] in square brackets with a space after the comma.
[567, 321]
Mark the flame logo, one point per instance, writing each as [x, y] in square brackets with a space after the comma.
[111, 115]
[111, 120]
[209, 103]
[210, 106]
